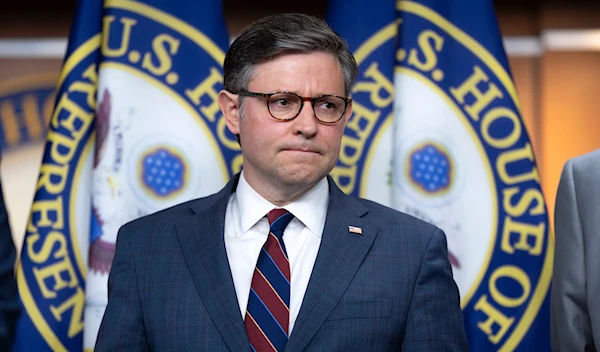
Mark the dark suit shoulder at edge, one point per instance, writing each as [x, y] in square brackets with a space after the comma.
[168, 215]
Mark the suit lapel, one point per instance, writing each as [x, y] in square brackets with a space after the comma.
[203, 246]
[340, 255]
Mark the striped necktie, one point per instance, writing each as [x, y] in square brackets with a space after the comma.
[268, 315]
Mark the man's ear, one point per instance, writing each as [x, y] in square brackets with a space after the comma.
[229, 104]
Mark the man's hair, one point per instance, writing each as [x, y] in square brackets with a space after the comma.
[276, 35]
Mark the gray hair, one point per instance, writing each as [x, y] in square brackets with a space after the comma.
[281, 34]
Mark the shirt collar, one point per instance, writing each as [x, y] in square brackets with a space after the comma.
[310, 208]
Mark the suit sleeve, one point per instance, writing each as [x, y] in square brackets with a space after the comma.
[435, 320]
[570, 322]
[122, 327]
[9, 305]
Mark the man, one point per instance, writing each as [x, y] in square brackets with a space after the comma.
[9, 305]
[575, 308]
[348, 274]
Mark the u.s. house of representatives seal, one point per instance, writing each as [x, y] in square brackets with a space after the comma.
[141, 128]
[461, 160]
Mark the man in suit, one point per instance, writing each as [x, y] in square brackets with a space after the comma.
[575, 308]
[9, 305]
[323, 270]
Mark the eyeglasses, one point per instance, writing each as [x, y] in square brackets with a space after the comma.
[285, 106]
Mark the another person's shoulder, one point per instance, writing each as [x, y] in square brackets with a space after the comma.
[587, 161]
[583, 170]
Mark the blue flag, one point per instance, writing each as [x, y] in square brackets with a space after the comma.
[364, 165]
[136, 128]
[460, 157]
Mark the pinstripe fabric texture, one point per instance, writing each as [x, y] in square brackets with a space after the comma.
[268, 313]
[389, 288]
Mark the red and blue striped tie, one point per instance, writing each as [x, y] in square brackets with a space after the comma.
[268, 314]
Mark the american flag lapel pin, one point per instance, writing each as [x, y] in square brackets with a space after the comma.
[354, 229]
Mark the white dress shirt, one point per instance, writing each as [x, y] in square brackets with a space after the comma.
[246, 230]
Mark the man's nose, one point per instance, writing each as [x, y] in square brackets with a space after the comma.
[306, 122]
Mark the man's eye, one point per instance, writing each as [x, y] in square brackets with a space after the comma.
[327, 106]
[282, 102]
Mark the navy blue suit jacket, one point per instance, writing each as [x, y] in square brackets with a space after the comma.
[391, 288]
[9, 304]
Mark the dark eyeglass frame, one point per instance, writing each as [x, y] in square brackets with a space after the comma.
[312, 100]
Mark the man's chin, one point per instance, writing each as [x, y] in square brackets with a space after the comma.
[302, 176]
